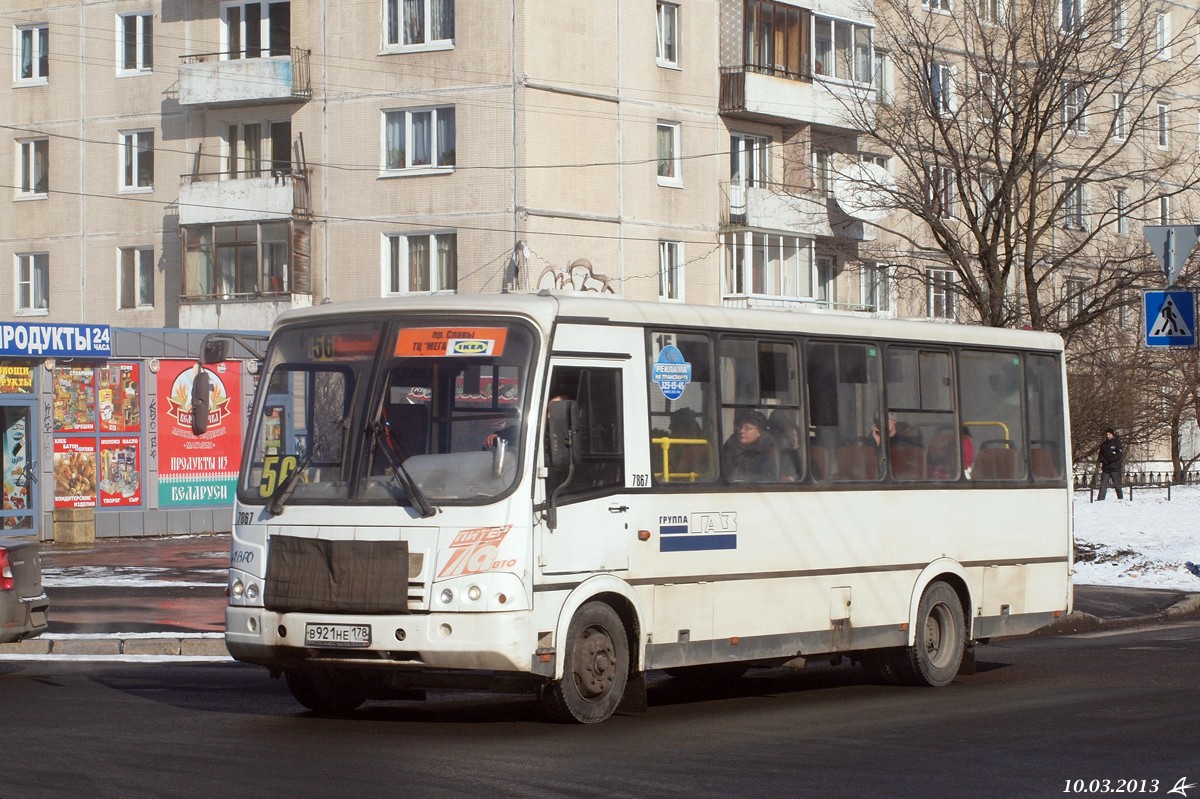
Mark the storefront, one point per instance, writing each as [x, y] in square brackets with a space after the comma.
[97, 434]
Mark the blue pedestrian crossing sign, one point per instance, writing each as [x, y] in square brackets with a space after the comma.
[1170, 318]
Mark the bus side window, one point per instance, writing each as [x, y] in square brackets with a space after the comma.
[683, 424]
[601, 433]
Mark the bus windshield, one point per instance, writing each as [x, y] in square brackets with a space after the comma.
[355, 411]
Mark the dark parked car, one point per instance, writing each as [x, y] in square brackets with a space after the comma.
[23, 604]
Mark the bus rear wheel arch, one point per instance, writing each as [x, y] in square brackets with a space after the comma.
[595, 669]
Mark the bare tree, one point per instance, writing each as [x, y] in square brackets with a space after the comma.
[1030, 142]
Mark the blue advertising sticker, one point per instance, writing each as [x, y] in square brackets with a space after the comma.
[671, 372]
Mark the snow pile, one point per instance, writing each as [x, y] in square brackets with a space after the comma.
[1143, 543]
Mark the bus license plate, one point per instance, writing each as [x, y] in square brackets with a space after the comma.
[337, 635]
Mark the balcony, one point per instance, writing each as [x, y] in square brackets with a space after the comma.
[805, 212]
[213, 79]
[760, 95]
[207, 198]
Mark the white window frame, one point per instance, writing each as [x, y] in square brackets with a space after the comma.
[832, 62]
[1074, 108]
[940, 6]
[758, 263]
[264, 30]
[1162, 34]
[670, 271]
[878, 289]
[395, 258]
[27, 165]
[137, 276]
[142, 23]
[131, 158]
[39, 44]
[943, 95]
[436, 115]
[822, 161]
[1120, 23]
[31, 283]
[940, 294]
[749, 159]
[1120, 128]
[825, 272]
[667, 52]
[994, 12]
[940, 191]
[394, 31]
[1121, 207]
[1070, 15]
[881, 80]
[670, 163]
[1163, 118]
[1075, 207]
[1075, 296]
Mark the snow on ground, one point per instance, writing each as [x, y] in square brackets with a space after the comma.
[1143, 543]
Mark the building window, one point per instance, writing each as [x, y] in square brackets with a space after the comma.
[420, 263]
[32, 50]
[135, 42]
[877, 289]
[767, 265]
[939, 191]
[1070, 15]
[1120, 23]
[33, 282]
[1162, 34]
[1074, 102]
[137, 159]
[242, 261]
[749, 159]
[1076, 290]
[993, 11]
[136, 279]
[670, 160]
[941, 89]
[882, 80]
[1074, 207]
[1164, 210]
[1164, 126]
[939, 284]
[415, 23]
[419, 139]
[670, 270]
[1121, 201]
[1120, 129]
[843, 50]
[33, 163]
[667, 51]
[826, 279]
[254, 29]
[822, 161]
[777, 39]
[945, 6]
[880, 161]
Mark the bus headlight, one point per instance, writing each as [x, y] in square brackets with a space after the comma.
[252, 592]
[473, 593]
[447, 596]
[237, 589]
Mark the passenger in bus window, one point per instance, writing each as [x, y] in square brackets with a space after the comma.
[900, 434]
[784, 427]
[749, 455]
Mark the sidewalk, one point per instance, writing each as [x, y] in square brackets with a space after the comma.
[128, 597]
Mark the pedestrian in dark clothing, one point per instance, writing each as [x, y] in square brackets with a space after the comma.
[1112, 460]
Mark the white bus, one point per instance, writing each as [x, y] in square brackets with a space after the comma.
[711, 490]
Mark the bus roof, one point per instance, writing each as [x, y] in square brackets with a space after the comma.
[546, 308]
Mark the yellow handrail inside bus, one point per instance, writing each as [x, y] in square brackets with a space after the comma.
[665, 442]
[1003, 427]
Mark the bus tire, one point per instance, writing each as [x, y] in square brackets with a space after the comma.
[941, 638]
[327, 692]
[595, 671]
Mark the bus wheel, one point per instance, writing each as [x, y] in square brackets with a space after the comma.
[595, 670]
[941, 638]
[327, 692]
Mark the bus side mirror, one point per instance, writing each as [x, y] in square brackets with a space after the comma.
[215, 351]
[201, 394]
[563, 433]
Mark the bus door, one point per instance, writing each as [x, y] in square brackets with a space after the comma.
[593, 528]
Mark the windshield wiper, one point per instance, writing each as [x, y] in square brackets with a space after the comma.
[401, 475]
[283, 492]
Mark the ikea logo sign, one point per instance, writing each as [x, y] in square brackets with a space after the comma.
[470, 347]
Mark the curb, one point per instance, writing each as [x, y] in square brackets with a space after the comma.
[1080, 622]
[132, 644]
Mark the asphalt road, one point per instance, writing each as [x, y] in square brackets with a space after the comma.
[1041, 713]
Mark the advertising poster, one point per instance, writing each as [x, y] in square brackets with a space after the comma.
[120, 472]
[16, 378]
[15, 460]
[74, 472]
[74, 399]
[118, 390]
[198, 470]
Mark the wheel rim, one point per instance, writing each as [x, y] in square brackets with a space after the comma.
[939, 635]
[594, 663]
